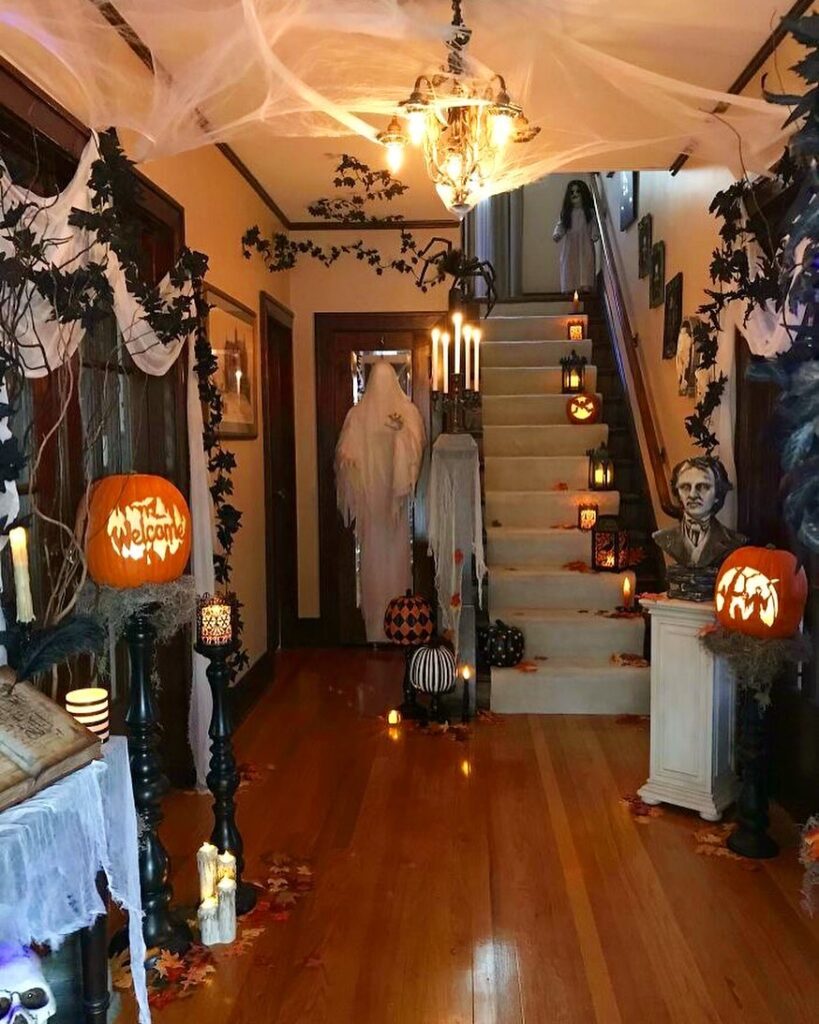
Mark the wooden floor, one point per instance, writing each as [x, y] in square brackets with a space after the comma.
[498, 880]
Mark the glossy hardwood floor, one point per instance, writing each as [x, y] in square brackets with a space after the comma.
[498, 880]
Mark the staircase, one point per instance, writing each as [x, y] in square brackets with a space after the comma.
[535, 475]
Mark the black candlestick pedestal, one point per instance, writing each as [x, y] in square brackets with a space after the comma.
[223, 776]
[751, 839]
[150, 785]
[410, 708]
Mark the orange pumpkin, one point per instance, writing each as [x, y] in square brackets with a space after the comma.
[761, 592]
[583, 408]
[139, 531]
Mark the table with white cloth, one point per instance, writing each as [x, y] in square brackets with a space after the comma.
[58, 850]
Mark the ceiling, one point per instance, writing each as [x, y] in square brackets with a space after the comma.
[292, 84]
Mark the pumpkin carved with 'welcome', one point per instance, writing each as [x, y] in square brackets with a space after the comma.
[761, 592]
[583, 408]
[139, 531]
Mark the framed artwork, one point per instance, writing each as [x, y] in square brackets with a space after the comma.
[232, 335]
[686, 362]
[673, 316]
[644, 239]
[656, 287]
[628, 198]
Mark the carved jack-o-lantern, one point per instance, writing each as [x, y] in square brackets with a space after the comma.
[584, 408]
[139, 531]
[761, 592]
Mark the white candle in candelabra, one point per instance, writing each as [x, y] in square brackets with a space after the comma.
[206, 863]
[457, 320]
[467, 354]
[445, 346]
[226, 909]
[476, 370]
[208, 916]
[225, 865]
[22, 583]
[436, 334]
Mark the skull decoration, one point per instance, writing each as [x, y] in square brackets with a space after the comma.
[25, 995]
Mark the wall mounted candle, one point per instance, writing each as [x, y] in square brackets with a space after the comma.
[601, 469]
[573, 373]
[89, 706]
[18, 539]
[586, 515]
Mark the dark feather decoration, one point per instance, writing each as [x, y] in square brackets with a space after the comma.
[80, 634]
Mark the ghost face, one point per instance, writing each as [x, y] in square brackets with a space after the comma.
[697, 492]
[25, 995]
[576, 196]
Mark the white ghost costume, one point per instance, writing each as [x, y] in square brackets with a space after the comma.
[378, 459]
[576, 252]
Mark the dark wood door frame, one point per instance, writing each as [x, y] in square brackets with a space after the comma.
[372, 324]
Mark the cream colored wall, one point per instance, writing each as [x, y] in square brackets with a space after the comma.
[348, 286]
[219, 207]
[542, 203]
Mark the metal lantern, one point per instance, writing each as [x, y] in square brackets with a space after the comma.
[575, 330]
[601, 469]
[215, 622]
[609, 545]
[587, 515]
[573, 373]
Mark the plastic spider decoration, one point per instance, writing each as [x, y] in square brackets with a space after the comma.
[446, 259]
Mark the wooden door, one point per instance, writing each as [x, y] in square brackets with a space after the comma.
[338, 337]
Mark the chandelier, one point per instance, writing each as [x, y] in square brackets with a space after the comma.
[463, 122]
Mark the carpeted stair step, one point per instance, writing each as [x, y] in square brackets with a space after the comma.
[528, 380]
[554, 327]
[548, 587]
[534, 354]
[512, 546]
[535, 473]
[553, 439]
[571, 688]
[565, 634]
[544, 509]
[519, 410]
[534, 307]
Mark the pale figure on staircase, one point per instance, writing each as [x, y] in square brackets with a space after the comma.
[576, 233]
[378, 459]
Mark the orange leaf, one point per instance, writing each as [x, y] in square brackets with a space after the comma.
[577, 566]
[526, 666]
[561, 486]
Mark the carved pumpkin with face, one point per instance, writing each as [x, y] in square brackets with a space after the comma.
[761, 592]
[583, 408]
[139, 531]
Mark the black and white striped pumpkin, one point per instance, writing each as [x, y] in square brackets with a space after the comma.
[432, 669]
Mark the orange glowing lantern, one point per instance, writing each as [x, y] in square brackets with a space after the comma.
[576, 330]
[586, 516]
[610, 549]
[761, 592]
[583, 408]
[572, 373]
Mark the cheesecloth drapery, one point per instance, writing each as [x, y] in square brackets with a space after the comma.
[378, 459]
[51, 848]
[45, 344]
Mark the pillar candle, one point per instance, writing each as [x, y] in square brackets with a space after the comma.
[576, 302]
[476, 370]
[445, 345]
[467, 354]
[436, 334]
[206, 863]
[208, 916]
[225, 865]
[457, 320]
[226, 912]
[22, 583]
[628, 593]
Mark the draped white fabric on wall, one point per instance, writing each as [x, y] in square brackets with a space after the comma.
[45, 344]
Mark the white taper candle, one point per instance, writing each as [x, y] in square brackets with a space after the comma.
[22, 584]
[436, 334]
[457, 320]
[445, 345]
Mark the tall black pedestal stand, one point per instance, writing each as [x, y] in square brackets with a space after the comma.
[751, 839]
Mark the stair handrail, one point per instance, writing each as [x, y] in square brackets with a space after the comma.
[628, 362]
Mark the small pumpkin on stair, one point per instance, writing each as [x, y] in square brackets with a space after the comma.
[501, 645]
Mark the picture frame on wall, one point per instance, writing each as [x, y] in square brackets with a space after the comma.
[656, 287]
[628, 198]
[673, 316]
[645, 230]
[231, 330]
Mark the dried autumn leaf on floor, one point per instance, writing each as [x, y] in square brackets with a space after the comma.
[647, 596]
[577, 566]
[526, 666]
[196, 974]
[167, 964]
[619, 613]
[639, 809]
[488, 717]
[561, 485]
[630, 660]
[496, 522]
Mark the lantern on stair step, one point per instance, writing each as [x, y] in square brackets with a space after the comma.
[601, 469]
[586, 515]
[609, 545]
[573, 373]
[575, 330]
[583, 408]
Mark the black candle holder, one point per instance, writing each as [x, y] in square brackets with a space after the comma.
[150, 785]
[751, 839]
[455, 403]
[410, 708]
[223, 776]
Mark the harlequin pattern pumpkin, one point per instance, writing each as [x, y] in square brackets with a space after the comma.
[761, 592]
[583, 408]
[139, 531]
[432, 669]
[501, 645]
[408, 620]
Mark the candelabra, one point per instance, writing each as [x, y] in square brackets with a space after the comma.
[454, 404]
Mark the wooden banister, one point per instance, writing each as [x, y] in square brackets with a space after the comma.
[628, 363]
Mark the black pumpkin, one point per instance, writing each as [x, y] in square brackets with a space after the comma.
[501, 646]
[408, 620]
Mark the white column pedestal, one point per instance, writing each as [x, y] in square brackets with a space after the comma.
[692, 713]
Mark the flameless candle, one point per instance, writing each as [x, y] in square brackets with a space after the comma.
[586, 516]
[226, 865]
[576, 302]
[436, 334]
[467, 354]
[599, 475]
[394, 717]
[476, 338]
[215, 622]
[22, 584]
[575, 332]
[628, 594]
[226, 909]
[206, 864]
[89, 706]
[445, 345]
[208, 915]
[457, 320]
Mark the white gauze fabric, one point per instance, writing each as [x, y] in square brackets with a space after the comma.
[378, 459]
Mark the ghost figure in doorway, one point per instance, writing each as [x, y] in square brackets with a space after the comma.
[576, 233]
[25, 995]
[378, 459]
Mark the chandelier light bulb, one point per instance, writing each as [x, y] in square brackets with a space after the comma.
[395, 156]
[454, 165]
[502, 128]
[417, 126]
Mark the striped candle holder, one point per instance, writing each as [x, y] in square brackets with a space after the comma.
[90, 707]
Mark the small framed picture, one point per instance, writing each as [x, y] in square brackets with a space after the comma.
[656, 288]
[686, 362]
[644, 239]
[628, 198]
[231, 331]
[673, 316]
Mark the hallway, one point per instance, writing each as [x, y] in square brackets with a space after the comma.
[523, 891]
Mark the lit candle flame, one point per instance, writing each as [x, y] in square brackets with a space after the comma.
[628, 594]
[393, 717]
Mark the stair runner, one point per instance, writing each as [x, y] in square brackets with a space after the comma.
[535, 475]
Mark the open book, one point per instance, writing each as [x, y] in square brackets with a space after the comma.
[39, 741]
